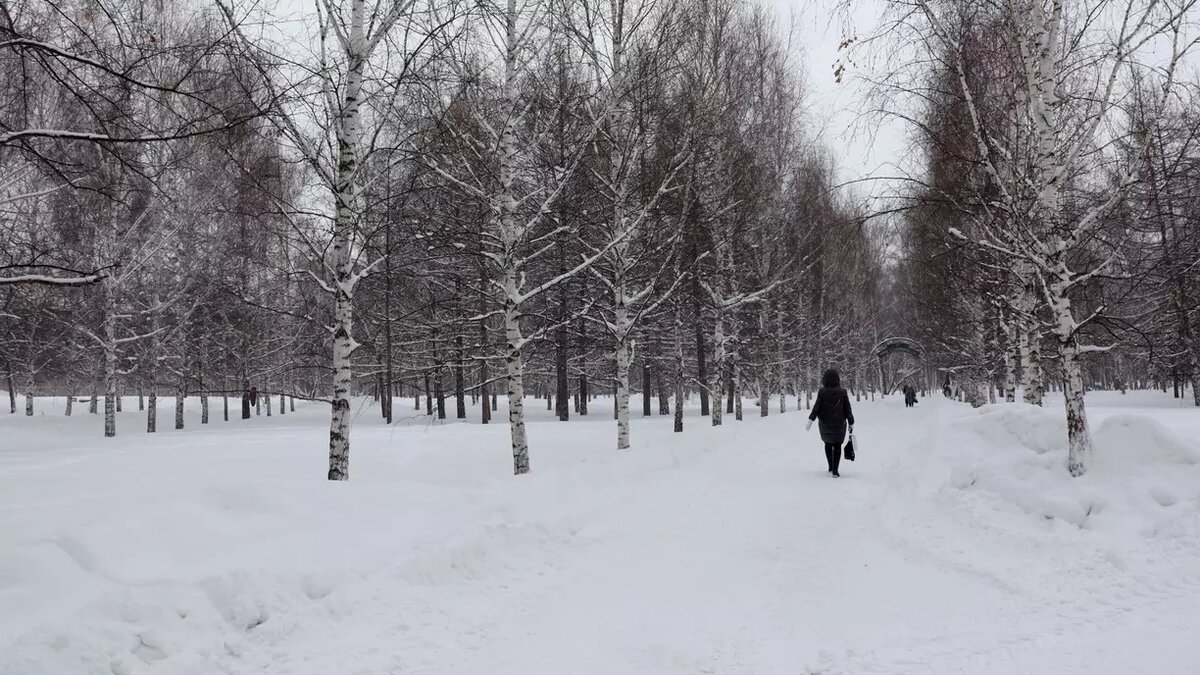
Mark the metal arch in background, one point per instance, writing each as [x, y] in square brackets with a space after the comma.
[898, 345]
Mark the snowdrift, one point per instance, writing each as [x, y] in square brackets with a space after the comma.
[1143, 480]
[957, 543]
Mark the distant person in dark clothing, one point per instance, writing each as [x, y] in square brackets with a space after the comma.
[910, 396]
[832, 410]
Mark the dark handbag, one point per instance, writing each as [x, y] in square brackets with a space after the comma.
[848, 452]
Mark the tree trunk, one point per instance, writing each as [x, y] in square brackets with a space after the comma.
[1029, 341]
[428, 396]
[180, 396]
[1078, 439]
[440, 393]
[485, 412]
[152, 409]
[379, 396]
[1079, 442]
[245, 399]
[584, 396]
[679, 361]
[1191, 342]
[341, 259]
[460, 392]
[1012, 354]
[29, 395]
[718, 384]
[647, 394]
[12, 394]
[621, 403]
[70, 401]
[510, 237]
[343, 348]
[701, 364]
[562, 383]
[514, 373]
[729, 394]
[664, 398]
[388, 370]
[735, 385]
[110, 360]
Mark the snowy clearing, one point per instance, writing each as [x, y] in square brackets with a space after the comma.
[956, 543]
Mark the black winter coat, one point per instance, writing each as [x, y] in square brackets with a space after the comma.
[832, 410]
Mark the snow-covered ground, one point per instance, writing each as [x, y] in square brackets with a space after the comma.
[956, 543]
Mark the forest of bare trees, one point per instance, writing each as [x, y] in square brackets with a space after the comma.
[504, 202]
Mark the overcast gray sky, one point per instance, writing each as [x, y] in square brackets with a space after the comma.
[861, 149]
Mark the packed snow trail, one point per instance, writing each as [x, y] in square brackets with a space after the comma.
[725, 550]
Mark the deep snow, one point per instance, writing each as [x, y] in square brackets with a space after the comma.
[956, 543]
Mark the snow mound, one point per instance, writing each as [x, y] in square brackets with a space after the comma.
[1143, 480]
[1124, 442]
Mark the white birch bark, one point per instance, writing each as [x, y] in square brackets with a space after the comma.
[29, 394]
[1079, 442]
[345, 224]
[358, 34]
[510, 236]
[623, 325]
[1010, 360]
[110, 359]
[514, 372]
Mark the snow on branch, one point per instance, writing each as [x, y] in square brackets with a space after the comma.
[29, 275]
[51, 281]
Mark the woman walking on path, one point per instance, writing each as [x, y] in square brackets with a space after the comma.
[832, 408]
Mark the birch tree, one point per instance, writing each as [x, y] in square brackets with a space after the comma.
[1067, 78]
[627, 47]
[366, 52]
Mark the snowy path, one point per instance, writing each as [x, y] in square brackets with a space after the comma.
[718, 551]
